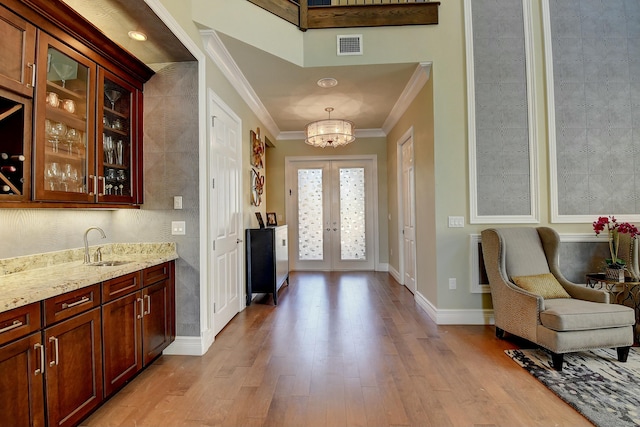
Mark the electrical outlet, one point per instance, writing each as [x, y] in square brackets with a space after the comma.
[452, 283]
[178, 228]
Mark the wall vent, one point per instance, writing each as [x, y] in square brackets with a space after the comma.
[350, 45]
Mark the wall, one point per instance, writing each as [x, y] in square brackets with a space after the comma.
[275, 181]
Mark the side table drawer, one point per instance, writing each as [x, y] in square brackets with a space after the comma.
[19, 322]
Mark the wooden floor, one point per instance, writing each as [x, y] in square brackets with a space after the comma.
[340, 349]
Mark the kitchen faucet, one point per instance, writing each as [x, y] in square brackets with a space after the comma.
[87, 258]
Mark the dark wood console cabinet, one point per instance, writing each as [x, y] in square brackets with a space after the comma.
[267, 260]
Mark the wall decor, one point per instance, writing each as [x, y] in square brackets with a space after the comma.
[592, 69]
[257, 149]
[257, 187]
[260, 220]
[503, 170]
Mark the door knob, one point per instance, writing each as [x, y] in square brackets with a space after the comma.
[239, 241]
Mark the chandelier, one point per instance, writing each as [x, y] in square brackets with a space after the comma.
[329, 132]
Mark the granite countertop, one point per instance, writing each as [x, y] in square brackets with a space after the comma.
[33, 278]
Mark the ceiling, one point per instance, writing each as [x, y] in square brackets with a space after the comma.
[365, 94]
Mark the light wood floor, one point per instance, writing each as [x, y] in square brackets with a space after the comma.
[340, 349]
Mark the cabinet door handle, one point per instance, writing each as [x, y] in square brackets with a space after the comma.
[16, 324]
[139, 316]
[104, 185]
[94, 185]
[148, 298]
[73, 304]
[57, 354]
[33, 74]
[40, 370]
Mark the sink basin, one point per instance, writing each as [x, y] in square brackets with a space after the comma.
[108, 263]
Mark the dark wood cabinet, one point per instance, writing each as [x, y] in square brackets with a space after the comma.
[21, 383]
[73, 368]
[86, 109]
[17, 53]
[138, 326]
[267, 260]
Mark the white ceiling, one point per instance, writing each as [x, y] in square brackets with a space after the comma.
[365, 94]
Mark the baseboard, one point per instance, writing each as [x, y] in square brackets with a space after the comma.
[190, 346]
[395, 274]
[454, 317]
[383, 266]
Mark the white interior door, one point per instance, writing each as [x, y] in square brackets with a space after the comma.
[227, 256]
[332, 214]
[408, 215]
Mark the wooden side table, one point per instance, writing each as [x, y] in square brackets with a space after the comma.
[624, 293]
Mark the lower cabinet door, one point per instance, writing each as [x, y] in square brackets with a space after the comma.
[122, 340]
[74, 368]
[156, 322]
[21, 383]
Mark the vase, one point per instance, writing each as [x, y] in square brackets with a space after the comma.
[615, 274]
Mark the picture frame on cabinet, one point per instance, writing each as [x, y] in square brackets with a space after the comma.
[272, 220]
[260, 220]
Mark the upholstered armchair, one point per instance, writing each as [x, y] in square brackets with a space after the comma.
[532, 299]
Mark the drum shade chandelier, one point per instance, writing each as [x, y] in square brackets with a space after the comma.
[329, 132]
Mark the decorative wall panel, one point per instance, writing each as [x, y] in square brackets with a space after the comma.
[502, 154]
[593, 72]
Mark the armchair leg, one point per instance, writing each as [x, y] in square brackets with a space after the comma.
[623, 353]
[557, 360]
[499, 333]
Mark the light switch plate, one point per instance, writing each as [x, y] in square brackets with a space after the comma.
[178, 228]
[177, 202]
[456, 221]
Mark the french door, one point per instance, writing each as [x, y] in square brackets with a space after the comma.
[331, 214]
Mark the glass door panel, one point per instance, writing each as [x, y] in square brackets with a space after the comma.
[114, 150]
[310, 215]
[64, 170]
[353, 239]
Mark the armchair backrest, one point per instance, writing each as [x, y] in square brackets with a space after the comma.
[522, 251]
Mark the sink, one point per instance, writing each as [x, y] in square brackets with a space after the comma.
[107, 263]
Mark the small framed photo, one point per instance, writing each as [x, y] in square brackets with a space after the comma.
[272, 220]
[260, 221]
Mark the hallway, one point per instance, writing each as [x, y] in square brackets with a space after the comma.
[340, 349]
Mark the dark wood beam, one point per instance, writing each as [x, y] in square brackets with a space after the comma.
[288, 10]
[373, 15]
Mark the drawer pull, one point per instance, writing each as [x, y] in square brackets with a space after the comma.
[15, 324]
[55, 344]
[33, 75]
[41, 369]
[73, 304]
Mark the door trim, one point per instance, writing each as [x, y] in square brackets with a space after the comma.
[288, 176]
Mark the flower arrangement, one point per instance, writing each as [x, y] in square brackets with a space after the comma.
[613, 230]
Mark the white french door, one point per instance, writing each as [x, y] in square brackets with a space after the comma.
[331, 214]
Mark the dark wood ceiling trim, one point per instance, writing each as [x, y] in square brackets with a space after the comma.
[373, 15]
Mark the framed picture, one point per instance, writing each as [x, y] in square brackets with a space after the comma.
[257, 149]
[272, 220]
[260, 221]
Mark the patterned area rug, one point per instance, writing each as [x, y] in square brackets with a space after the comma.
[602, 389]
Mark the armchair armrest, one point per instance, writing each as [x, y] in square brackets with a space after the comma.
[587, 294]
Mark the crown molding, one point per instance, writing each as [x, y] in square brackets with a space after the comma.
[417, 81]
[219, 54]
[360, 133]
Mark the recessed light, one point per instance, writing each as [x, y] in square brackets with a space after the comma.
[138, 36]
[327, 82]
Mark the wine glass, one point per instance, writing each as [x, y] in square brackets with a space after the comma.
[63, 70]
[73, 139]
[52, 174]
[112, 96]
[57, 131]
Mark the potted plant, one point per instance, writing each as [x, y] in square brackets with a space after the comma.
[615, 265]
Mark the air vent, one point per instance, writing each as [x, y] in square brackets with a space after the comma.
[350, 45]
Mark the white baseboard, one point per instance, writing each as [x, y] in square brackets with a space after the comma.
[190, 346]
[395, 274]
[454, 317]
[383, 266]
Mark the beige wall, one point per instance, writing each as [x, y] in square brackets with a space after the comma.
[276, 180]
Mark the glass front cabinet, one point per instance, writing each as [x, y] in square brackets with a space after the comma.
[70, 113]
